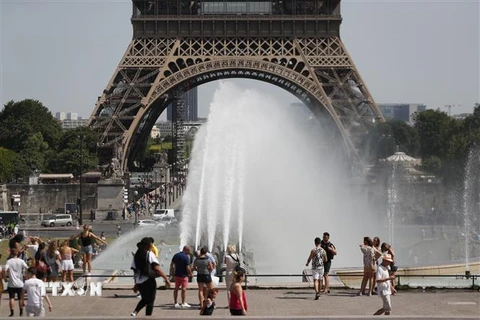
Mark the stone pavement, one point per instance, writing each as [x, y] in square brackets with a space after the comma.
[273, 304]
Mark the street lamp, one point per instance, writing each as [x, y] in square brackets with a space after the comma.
[79, 201]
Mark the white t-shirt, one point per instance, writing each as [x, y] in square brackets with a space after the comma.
[15, 267]
[35, 289]
[150, 259]
[383, 287]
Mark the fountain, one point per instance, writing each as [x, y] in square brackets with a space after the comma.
[470, 200]
[268, 173]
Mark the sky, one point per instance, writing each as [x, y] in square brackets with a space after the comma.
[64, 52]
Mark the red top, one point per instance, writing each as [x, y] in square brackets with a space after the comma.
[235, 302]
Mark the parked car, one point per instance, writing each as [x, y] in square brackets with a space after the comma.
[163, 213]
[57, 220]
[150, 223]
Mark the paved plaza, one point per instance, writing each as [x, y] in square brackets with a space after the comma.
[274, 303]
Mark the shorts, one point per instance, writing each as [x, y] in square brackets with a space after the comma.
[67, 265]
[387, 303]
[204, 278]
[86, 250]
[13, 291]
[35, 311]
[326, 266]
[317, 274]
[181, 282]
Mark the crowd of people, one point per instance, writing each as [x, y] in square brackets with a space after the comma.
[43, 261]
[146, 268]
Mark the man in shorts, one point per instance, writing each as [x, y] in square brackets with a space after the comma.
[384, 285]
[180, 267]
[318, 256]
[14, 267]
[331, 252]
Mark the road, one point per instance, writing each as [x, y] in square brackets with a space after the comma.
[108, 227]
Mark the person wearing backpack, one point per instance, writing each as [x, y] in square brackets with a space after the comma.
[318, 256]
[232, 264]
[331, 252]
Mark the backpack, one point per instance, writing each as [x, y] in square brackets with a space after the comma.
[238, 265]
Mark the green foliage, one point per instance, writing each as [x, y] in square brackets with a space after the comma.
[432, 164]
[21, 120]
[7, 161]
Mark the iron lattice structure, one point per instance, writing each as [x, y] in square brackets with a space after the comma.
[300, 51]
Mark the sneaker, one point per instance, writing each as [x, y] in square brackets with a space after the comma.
[317, 296]
[185, 305]
[133, 314]
[177, 305]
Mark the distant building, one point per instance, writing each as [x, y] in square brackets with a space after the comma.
[191, 106]
[165, 128]
[401, 111]
[70, 120]
[461, 116]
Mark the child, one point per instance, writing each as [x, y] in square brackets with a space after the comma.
[35, 290]
[209, 303]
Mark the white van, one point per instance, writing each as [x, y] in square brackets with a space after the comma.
[57, 220]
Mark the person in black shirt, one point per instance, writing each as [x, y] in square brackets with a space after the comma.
[331, 252]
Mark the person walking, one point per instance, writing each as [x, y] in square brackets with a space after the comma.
[331, 253]
[146, 268]
[86, 238]
[204, 267]
[368, 266]
[180, 267]
[231, 260]
[318, 256]
[238, 299]
[35, 290]
[14, 268]
[383, 279]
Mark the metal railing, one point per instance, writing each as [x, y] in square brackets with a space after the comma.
[471, 277]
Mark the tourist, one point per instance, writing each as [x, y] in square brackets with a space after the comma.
[146, 268]
[331, 252]
[384, 285]
[209, 303]
[318, 256]
[66, 254]
[387, 249]
[212, 261]
[238, 298]
[204, 267]
[180, 267]
[231, 260]
[86, 238]
[32, 249]
[40, 262]
[368, 266]
[16, 243]
[14, 268]
[377, 249]
[33, 287]
[52, 258]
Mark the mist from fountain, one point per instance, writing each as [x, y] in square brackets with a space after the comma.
[280, 182]
[471, 187]
[392, 202]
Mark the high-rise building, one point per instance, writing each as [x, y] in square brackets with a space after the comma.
[401, 111]
[70, 120]
[191, 106]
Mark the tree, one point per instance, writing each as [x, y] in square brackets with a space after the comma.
[434, 129]
[73, 145]
[21, 120]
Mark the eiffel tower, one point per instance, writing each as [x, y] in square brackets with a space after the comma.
[180, 44]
